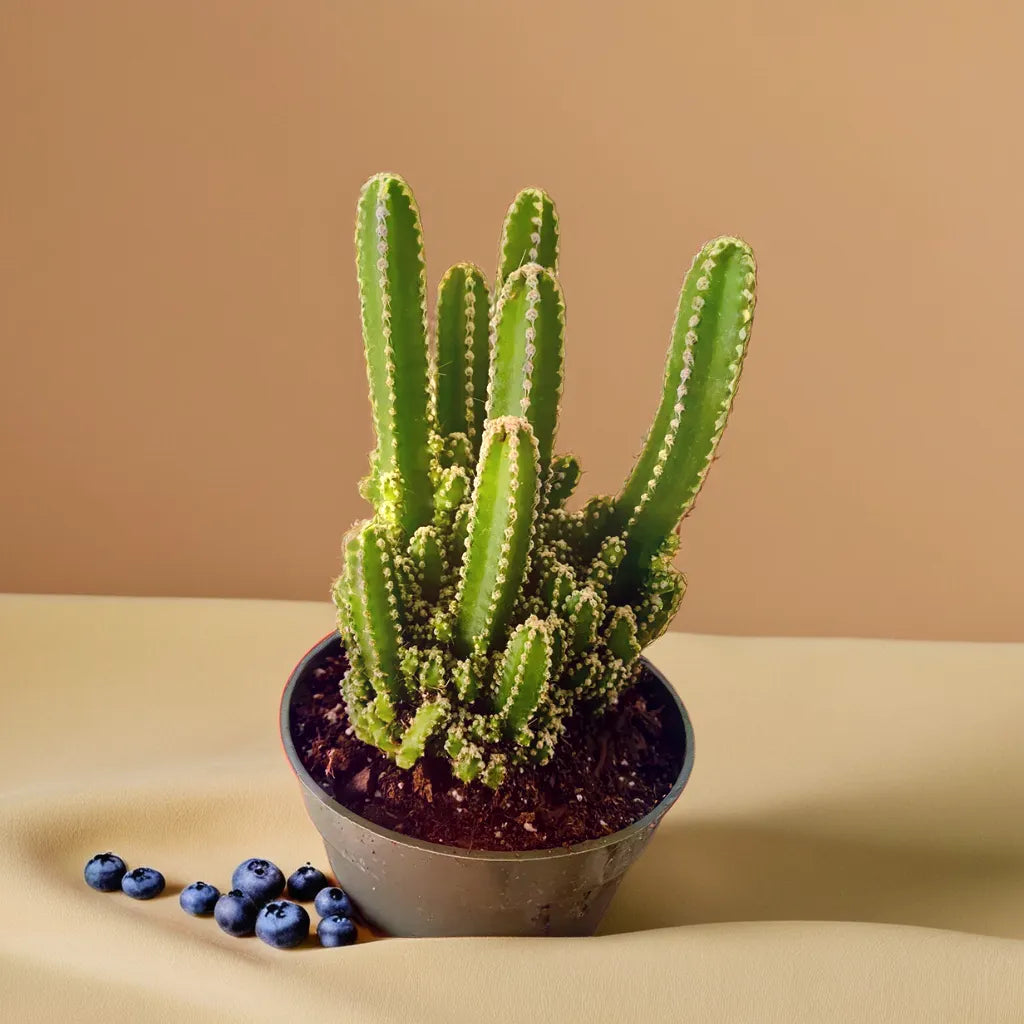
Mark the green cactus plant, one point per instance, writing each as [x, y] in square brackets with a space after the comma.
[478, 612]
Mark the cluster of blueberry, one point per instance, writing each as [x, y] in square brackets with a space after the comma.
[252, 905]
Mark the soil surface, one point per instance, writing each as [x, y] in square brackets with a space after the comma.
[605, 774]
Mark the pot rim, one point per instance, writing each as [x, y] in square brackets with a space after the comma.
[649, 820]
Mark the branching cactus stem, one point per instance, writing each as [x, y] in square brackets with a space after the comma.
[478, 608]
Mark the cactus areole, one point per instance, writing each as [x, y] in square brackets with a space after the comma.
[477, 611]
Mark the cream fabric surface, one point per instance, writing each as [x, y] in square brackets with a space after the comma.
[850, 846]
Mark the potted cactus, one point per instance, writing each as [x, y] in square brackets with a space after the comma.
[483, 626]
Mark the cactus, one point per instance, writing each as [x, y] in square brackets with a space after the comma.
[529, 234]
[392, 287]
[477, 610]
[463, 302]
[501, 515]
[709, 340]
[527, 341]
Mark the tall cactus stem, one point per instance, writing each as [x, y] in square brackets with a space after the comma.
[392, 299]
[500, 533]
[712, 327]
[374, 611]
[480, 614]
[463, 304]
[529, 234]
[527, 351]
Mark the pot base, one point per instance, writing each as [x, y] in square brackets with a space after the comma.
[400, 898]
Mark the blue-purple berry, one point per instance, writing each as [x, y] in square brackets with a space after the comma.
[336, 930]
[236, 912]
[331, 901]
[105, 871]
[199, 898]
[143, 883]
[282, 924]
[259, 879]
[306, 882]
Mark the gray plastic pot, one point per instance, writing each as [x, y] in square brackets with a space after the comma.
[408, 887]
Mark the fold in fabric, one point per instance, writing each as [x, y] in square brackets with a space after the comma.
[850, 846]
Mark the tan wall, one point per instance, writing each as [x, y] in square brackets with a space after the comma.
[183, 405]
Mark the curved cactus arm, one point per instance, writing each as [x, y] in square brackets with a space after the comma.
[373, 610]
[463, 310]
[428, 719]
[500, 533]
[709, 340]
[392, 299]
[527, 349]
[529, 234]
[523, 674]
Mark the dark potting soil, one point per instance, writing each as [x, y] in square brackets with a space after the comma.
[604, 775]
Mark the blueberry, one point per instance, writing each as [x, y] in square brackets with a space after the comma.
[236, 912]
[306, 882]
[331, 901]
[199, 898]
[143, 883]
[105, 871]
[336, 930]
[283, 924]
[260, 879]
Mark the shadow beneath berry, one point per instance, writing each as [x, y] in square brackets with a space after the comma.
[757, 870]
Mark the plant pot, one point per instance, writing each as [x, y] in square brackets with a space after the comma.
[408, 887]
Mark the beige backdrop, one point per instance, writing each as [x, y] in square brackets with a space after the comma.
[183, 405]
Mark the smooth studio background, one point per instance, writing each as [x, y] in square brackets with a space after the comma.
[183, 403]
